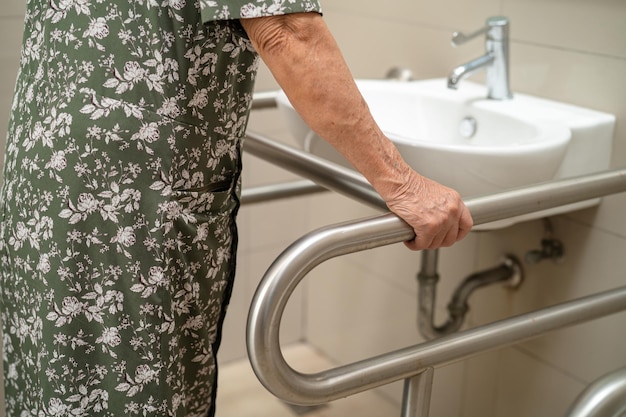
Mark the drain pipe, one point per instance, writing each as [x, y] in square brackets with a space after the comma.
[508, 272]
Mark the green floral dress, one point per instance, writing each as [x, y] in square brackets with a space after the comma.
[120, 192]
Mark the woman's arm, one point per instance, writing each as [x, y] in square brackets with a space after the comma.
[304, 58]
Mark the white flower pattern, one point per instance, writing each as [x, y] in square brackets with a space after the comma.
[118, 204]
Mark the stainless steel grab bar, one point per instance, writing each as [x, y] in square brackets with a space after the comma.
[605, 397]
[264, 100]
[484, 209]
[309, 389]
[321, 171]
[413, 363]
[301, 257]
[271, 192]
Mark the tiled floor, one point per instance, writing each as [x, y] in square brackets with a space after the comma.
[240, 394]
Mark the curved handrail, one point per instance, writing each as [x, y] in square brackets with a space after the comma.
[605, 397]
[301, 257]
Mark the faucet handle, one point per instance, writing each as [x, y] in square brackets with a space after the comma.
[459, 38]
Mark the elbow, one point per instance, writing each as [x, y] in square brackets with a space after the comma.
[275, 35]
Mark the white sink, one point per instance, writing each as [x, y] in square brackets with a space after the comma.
[475, 145]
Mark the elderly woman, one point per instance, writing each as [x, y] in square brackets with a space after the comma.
[117, 233]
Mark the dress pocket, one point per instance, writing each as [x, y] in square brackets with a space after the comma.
[218, 198]
[216, 187]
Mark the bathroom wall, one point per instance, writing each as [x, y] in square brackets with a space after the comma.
[364, 304]
[572, 51]
[11, 25]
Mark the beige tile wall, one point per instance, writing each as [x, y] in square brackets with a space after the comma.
[11, 24]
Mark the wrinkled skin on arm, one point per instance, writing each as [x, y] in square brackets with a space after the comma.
[304, 58]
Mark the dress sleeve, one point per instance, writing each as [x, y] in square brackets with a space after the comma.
[238, 9]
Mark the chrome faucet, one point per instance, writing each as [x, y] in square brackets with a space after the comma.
[496, 60]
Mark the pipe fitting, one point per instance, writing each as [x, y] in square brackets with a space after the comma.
[399, 74]
[517, 276]
[508, 272]
[551, 247]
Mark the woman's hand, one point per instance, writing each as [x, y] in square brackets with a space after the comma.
[436, 213]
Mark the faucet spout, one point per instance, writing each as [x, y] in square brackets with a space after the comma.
[495, 61]
[462, 71]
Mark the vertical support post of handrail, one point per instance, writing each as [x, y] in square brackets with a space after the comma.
[416, 396]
